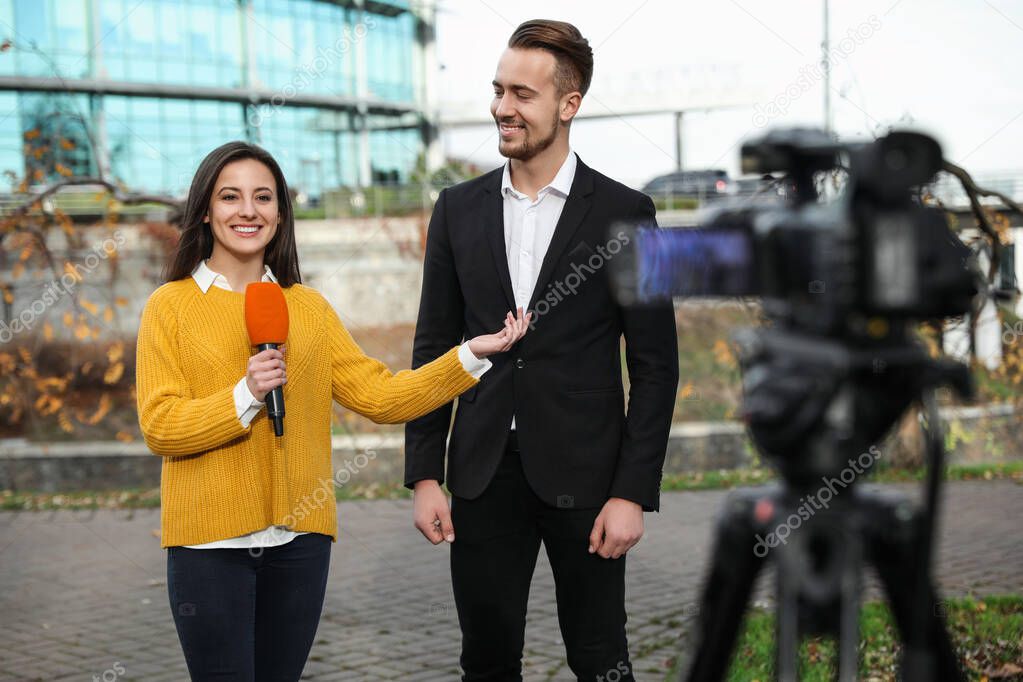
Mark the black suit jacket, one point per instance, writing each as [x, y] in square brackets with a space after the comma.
[563, 380]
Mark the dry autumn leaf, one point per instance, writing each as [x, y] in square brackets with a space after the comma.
[114, 373]
[101, 411]
[115, 352]
[69, 269]
[686, 390]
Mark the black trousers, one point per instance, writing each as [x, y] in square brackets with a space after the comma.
[245, 616]
[497, 539]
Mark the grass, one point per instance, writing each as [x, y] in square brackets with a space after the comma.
[987, 634]
[732, 478]
[149, 498]
[676, 203]
[315, 213]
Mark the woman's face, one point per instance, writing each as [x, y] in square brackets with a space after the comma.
[243, 213]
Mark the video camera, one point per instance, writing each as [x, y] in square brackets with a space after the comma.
[850, 268]
[843, 283]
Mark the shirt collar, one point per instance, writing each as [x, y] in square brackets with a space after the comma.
[562, 182]
[205, 277]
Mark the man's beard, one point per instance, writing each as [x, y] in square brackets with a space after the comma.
[527, 148]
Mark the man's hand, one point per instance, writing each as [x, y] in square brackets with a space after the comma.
[432, 514]
[618, 527]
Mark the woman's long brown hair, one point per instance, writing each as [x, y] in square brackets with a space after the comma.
[196, 242]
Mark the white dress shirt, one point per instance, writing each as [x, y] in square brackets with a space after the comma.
[529, 226]
[248, 407]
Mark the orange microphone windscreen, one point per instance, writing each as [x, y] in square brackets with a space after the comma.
[266, 313]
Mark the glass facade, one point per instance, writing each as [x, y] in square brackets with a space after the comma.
[147, 88]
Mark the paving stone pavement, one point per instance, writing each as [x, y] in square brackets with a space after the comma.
[83, 594]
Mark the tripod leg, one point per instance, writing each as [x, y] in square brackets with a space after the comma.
[927, 655]
[733, 569]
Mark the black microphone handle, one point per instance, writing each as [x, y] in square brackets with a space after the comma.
[275, 400]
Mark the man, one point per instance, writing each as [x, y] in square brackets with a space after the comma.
[541, 449]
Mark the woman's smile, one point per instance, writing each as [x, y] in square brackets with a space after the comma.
[246, 230]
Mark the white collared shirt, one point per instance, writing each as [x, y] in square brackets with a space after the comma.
[529, 227]
[246, 404]
[247, 407]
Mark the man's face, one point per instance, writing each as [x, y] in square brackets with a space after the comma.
[526, 105]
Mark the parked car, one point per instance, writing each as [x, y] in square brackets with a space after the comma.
[695, 184]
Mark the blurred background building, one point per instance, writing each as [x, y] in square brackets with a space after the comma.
[338, 91]
[372, 107]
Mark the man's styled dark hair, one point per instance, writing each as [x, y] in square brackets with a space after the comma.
[572, 52]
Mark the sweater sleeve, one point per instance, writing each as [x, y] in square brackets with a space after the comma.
[365, 385]
[173, 422]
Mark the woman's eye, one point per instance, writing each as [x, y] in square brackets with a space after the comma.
[227, 197]
[264, 197]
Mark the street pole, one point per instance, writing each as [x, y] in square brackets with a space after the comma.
[826, 68]
[679, 121]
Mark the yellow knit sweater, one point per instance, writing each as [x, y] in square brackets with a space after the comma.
[221, 479]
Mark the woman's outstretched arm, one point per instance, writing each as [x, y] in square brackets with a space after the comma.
[366, 385]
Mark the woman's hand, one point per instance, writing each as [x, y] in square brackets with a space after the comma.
[514, 329]
[266, 372]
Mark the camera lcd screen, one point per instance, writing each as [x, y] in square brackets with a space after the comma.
[703, 262]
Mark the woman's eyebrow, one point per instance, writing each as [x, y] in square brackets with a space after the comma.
[235, 189]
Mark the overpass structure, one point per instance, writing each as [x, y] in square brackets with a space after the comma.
[670, 90]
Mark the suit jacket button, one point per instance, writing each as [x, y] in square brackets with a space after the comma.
[520, 363]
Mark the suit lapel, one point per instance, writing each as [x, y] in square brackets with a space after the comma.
[576, 206]
[493, 225]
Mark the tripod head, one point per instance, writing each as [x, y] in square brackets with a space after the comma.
[812, 403]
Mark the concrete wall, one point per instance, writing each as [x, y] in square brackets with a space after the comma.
[976, 435]
[369, 269]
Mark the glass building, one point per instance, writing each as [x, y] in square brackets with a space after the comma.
[337, 91]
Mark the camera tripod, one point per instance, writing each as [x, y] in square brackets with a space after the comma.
[822, 402]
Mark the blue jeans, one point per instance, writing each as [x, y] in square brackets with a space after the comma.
[248, 616]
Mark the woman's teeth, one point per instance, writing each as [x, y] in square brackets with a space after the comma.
[245, 229]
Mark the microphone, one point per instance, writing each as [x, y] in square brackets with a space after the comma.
[266, 317]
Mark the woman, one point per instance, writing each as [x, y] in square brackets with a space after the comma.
[248, 517]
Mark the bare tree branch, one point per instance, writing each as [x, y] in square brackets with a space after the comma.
[115, 191]
[974, 192]
[972, 189]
